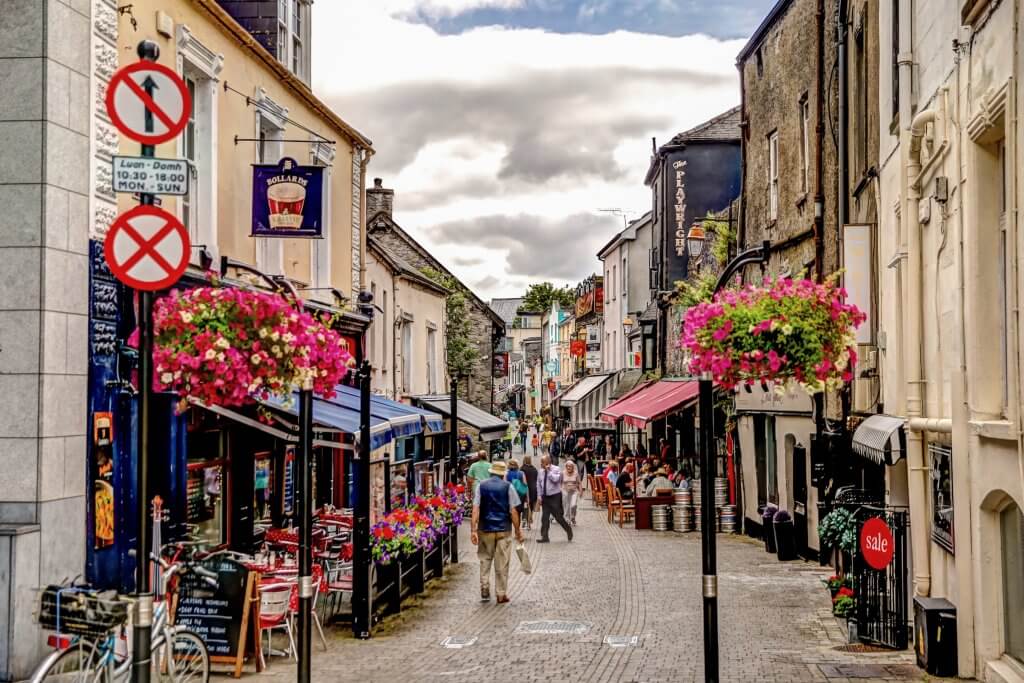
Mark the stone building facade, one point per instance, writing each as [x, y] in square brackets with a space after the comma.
[486, 326]
[784, 133]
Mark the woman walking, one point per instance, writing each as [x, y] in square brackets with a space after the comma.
[570, 490]
[516, 477]
[531, 485]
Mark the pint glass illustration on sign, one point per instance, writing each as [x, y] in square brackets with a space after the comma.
[287, 200]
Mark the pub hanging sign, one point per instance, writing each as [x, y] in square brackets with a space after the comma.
[287, 200]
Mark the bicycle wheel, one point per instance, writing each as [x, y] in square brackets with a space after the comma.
[77, 664]
[185, 661]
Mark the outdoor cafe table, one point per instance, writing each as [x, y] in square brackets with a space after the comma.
[642, 514]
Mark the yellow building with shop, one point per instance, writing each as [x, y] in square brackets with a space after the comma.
[249, 108]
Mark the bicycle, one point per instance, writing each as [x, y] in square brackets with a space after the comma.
[88, 632]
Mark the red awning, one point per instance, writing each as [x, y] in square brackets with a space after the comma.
[650, 402]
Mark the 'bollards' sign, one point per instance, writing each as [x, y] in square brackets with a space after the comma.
[287, 200]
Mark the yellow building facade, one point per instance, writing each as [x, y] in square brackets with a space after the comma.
[248, 108]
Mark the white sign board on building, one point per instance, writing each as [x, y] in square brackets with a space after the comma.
[150, 176]
[793, 400]
[593, 360]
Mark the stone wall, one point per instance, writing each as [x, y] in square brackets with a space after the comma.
[778, 75]
[46, 162]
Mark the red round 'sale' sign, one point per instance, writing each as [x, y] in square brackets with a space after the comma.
[876, 544]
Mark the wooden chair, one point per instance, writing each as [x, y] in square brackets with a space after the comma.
[599, 490]
[616, 504]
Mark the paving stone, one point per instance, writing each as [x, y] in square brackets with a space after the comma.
[775, 621]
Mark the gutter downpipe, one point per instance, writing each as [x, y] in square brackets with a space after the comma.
[917, 474]
[842, 207]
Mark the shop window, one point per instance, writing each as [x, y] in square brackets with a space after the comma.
[942, 495]
[206, 487]
[1011, 527]
[262, 487]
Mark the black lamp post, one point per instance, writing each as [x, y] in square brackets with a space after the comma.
[709, 549]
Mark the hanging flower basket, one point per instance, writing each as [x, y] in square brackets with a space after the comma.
[228, 347]
[784, 331]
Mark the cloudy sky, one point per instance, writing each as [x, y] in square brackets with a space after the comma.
[504, 126]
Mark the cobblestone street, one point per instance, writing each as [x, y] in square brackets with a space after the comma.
[611, 583]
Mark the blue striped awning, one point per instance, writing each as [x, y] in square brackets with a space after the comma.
[329, 414]
[405, 420]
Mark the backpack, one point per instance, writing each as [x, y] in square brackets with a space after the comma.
[520, 486]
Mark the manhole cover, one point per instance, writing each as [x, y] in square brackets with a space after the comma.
[553, 627]
[622, 641]
[458, 642]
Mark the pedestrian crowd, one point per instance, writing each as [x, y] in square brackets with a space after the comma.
[507, 495]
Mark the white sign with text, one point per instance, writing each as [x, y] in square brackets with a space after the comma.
[150, 176]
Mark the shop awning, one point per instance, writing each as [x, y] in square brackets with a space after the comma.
[651, 402]
[405, 420]
[626, 383]
[880, 438]
[490, 427]
[331, 415]
[583, 411]
[582, 389]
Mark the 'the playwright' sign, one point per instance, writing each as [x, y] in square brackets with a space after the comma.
[287, 200]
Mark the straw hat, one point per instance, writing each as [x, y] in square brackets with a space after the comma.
[498, 468]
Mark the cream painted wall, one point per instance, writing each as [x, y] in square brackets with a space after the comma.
[976, 104]
[242, 71]
[427, 308]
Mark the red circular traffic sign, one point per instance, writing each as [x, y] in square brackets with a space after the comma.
[148, 102]
[147, 248]
[876, 544]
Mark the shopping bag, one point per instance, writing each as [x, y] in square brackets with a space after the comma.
[524, 559]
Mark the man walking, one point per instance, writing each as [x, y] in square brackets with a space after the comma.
[478, 471]
[549, 488]
[494, 517]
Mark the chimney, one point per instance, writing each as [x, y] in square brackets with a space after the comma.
[379, 199]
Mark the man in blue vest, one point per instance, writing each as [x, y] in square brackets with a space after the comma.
[494, 517]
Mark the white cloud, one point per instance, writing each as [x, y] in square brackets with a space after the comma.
[511, 122]
[436, 9]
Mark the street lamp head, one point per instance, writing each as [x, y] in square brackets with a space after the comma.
[148, 50]
[695, 240]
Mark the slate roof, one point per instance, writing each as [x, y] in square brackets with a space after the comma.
[400, 265]
[650, 313]
[506, 308]
[721, 128]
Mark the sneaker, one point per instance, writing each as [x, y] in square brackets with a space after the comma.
[485, 597]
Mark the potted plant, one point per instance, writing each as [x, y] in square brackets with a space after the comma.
[767, 517]
[838, 530]
[843, 603]
[833, 583]
[785, 330]
[785, 541]
[228, 346]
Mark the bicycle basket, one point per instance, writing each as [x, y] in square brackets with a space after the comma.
[80, 611]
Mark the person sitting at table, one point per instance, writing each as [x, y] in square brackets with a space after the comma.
[624, 482]
[660, 481]
[682, 478]
[611, 472]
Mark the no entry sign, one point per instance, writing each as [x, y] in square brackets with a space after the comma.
[876, 544]
[148, 102]
[147, 248]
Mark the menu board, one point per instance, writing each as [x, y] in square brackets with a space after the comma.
[220, 616]
[194, 495]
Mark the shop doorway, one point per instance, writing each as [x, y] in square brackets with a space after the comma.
[798, 466]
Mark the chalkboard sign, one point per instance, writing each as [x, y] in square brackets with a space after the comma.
[220, 616]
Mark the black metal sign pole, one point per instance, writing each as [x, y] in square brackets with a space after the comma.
[453, 475]
[304, 493]
[362, 585]
[708, 529]
[149, 51]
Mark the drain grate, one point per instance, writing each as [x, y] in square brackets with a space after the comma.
[553, 627]
[622, 641]
[458, 642]
[861, 647]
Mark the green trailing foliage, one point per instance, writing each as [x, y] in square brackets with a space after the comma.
[460, 351]
[702, 286]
